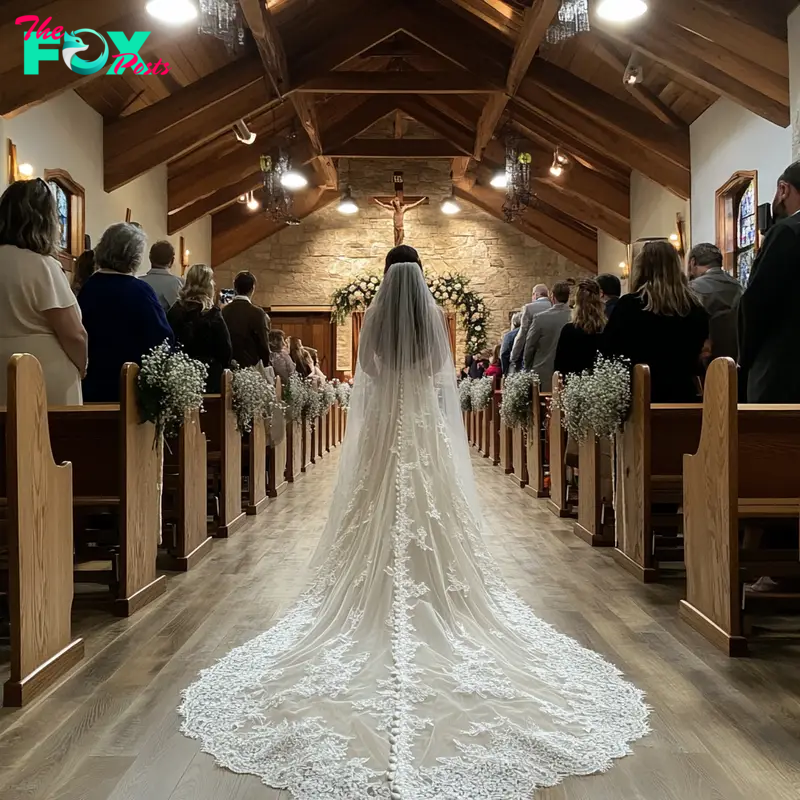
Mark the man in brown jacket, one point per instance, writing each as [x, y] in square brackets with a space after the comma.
[248, 324]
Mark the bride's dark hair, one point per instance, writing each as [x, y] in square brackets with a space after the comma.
[402, 254]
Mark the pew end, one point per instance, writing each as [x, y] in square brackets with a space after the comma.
[558, 502]
[39, 531]
[536, 451]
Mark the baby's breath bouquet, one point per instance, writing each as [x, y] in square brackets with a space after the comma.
[597, 402]
[328, 396]
[515, 410]
[465, 394]
[482, 391]
[253, 398]
[343, 392]
[314, 402]
[294, 398]
[170, 385]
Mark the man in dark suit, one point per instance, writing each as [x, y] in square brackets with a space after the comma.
[720, 294]
[248, 324]
[508, 343]
[610, 291]
[769, 324]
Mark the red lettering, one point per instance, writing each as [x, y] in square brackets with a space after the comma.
[28, 18]
[119, 65]
[166, 68]
[43, 29]
[139, 68]
[58, 32]
[154, 70]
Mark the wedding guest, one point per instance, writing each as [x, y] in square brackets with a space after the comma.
[301, 359]
[248, 324]
[476, 368]
[508, 342]
[39, 313]
[199, 327]
[580, 339]
[540, 301]
[543, 335]
[495, 369]
[85, 267]
[610, 291]
[769, 325]
[661, 324]
[122, 314]
[281, 360]
[467, 368]
[160, 278]
[719, 293]
[316, 372]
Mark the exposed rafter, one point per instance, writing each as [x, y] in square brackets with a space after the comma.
[412, 82]
[396, 149]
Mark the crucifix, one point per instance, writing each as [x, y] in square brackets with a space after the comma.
[398, 206]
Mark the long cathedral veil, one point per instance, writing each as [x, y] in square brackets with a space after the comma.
[409, 670]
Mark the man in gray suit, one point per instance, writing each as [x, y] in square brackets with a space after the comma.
[543, 336]
[540, 302]
[720, 294]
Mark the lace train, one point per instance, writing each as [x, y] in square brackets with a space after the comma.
[409, 670]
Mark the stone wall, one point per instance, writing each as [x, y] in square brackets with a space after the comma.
[303, 265]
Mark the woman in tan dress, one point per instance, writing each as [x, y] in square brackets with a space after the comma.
[39, 313]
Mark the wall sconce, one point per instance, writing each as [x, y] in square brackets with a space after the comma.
[17, 171]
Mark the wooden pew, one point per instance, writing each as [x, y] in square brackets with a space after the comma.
[745, 467]
[537, 444]
[276, 450]
[224, 457]
[116, 467]
[257, 468]
[294, 451]
[486, 431]
[650, 452]
[494, 424]
[38, 498]
[593, 507]
[519, 457]
[307, 461]
[185, 501]
[558, 456]
[321, 425]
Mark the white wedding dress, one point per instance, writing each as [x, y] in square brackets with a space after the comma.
[408, 670]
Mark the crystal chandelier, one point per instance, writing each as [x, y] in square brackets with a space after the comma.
[518, 180]
[277, 199]
[223, 19]
[572, 19]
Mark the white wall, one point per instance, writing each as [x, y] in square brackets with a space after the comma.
[794, 79]
[654, 209]
[726, 139]
[610, 254]
[66, 133]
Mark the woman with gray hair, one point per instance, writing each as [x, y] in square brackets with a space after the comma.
[39, 313]
[122, 314]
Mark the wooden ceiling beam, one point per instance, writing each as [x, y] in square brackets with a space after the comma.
[575, 243]
[362, 118]
[270, 47]
[647, 99]
[179, 123]
[236, 229]
[212, 203]
[397, 149]
[709, 65]
[411, 82]
[714, 23]
[423, 112]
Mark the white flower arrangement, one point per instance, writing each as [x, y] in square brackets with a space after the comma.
[515, 409]
[482, 391]
[170, 385]
[313, 400]
[465, 394]
[597, 402]
[343, 392]
[294, 398]
[253, 398]
[328, 395]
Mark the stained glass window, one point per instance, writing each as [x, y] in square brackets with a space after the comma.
[746, 233]
[62, 201]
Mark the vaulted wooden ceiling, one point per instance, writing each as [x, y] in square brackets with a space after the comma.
[468, 72]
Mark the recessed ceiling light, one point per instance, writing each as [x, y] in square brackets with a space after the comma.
[173, 12]
[621, 10]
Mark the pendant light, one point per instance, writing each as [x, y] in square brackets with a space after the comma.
[450, 206]
[347, 205]
[293, 180]
[499, 180]
[252, 203]
[173, 12]
[621, 10]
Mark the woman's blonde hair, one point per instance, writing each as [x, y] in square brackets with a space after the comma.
[664, 287]
[198, 286]
[29, 217]
[589, 313]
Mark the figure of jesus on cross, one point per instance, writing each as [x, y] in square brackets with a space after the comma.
[398, 206]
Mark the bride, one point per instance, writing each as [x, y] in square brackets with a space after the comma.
[409, 670]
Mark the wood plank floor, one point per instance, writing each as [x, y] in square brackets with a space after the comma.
[722, 729]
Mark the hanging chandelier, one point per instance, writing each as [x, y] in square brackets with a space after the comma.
[277, 200]
[572, 19]
[518, 180]
[223, 19]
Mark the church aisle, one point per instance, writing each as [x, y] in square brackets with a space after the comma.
[721, 728]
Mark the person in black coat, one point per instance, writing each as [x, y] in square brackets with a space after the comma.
[610, 291]
[769, 324]
[661, 324]
[581, 339]
[199, 327]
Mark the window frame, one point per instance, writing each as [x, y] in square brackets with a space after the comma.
[76, 196]
[728, 199]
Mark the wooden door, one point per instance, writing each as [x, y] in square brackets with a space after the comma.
[314, 328]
